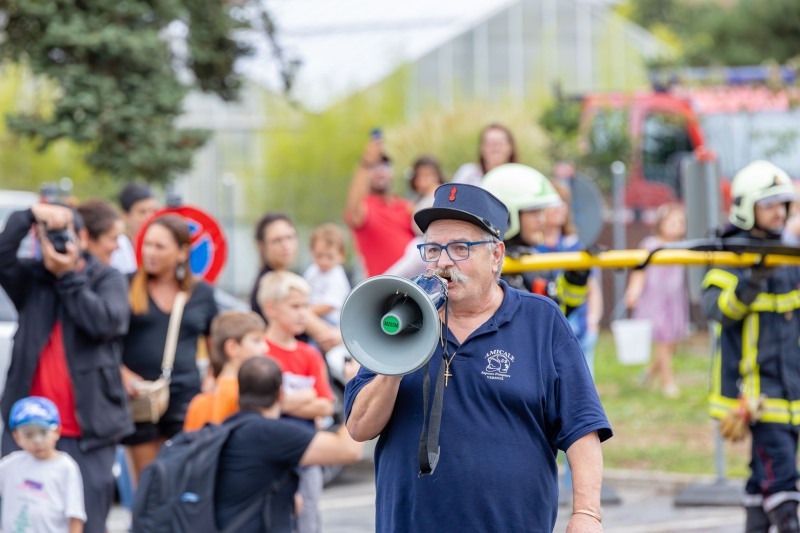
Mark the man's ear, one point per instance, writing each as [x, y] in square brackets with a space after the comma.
[499, 255]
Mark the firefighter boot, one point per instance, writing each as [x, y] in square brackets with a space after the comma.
[784, 516]
[757, 520]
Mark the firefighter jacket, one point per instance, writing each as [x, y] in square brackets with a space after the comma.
[568, 289]
[757, 326]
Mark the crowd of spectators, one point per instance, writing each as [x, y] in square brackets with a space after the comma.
[106, 315]
[94, 320]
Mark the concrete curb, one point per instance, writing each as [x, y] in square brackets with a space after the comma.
[666, 481]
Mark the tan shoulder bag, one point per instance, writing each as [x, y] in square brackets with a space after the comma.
[152, 400]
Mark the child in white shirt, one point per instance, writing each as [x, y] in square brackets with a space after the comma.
[326, 275]
[41, 488]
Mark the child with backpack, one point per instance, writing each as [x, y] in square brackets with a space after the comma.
[254, 454]
[235, 336]
[284, 299]
[41, 487]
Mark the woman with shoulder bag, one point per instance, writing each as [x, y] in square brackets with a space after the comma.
[170, 311]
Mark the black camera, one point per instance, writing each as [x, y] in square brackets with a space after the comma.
[59, 239]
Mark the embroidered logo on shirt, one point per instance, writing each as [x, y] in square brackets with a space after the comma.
[498, 363]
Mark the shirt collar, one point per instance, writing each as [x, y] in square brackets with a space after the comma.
[508, 308]
[506, 311]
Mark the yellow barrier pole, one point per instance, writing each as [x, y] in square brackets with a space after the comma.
[633, 258]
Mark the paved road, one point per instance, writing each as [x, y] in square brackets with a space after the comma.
[646, 506]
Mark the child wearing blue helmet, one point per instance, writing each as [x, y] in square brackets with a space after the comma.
[41, 488]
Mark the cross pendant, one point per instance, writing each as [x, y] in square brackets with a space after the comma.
[447, 373]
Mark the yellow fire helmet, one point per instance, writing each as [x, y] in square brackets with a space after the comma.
[758, 181]
[521, 188]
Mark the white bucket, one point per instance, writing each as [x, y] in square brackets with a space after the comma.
[632, 337]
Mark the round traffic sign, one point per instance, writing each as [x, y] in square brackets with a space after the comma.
[209, 249]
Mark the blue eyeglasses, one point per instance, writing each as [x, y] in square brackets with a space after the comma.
[456, 250]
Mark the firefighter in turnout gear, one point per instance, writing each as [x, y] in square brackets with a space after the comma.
[756, 365]
[527, 193]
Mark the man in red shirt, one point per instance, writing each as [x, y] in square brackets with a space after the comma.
[380, 220]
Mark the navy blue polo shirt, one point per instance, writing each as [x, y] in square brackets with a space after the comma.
[520, 392]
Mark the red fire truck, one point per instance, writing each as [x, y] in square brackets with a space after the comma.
[735, 115]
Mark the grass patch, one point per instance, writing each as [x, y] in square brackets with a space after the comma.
[652, 432]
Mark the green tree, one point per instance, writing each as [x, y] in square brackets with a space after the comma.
[749, 33]
[22, 166]
[120, 83]
[561, 120]
[710, 32]
[606, 139]
[647, 13]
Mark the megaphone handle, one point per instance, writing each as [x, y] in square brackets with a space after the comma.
[429, 450]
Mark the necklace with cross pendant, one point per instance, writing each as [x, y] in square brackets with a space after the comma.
[447, 373]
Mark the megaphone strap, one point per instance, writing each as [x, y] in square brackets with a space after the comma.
[429, 438]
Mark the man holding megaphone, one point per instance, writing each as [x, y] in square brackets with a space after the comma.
[510, 388]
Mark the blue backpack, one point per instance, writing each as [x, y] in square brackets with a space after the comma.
[176, 492]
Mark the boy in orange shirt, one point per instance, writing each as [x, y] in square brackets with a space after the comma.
[235, 336]
[283, 296]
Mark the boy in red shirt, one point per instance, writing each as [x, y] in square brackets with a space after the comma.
[283, 296]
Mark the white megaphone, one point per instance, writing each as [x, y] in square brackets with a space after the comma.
[391, 325]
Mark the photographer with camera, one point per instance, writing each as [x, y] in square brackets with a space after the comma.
[73, 310]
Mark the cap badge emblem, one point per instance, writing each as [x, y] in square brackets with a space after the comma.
[452, 197]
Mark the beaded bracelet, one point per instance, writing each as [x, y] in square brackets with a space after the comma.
[589, 513]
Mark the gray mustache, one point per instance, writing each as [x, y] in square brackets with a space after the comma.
[455, 275]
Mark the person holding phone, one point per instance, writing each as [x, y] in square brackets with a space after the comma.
[380, 220]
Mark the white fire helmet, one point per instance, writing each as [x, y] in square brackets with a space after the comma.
[521, 188]
[759, 181]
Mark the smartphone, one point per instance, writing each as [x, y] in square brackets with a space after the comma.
[376, 134]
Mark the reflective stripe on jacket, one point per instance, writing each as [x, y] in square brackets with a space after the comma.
[757, 350]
